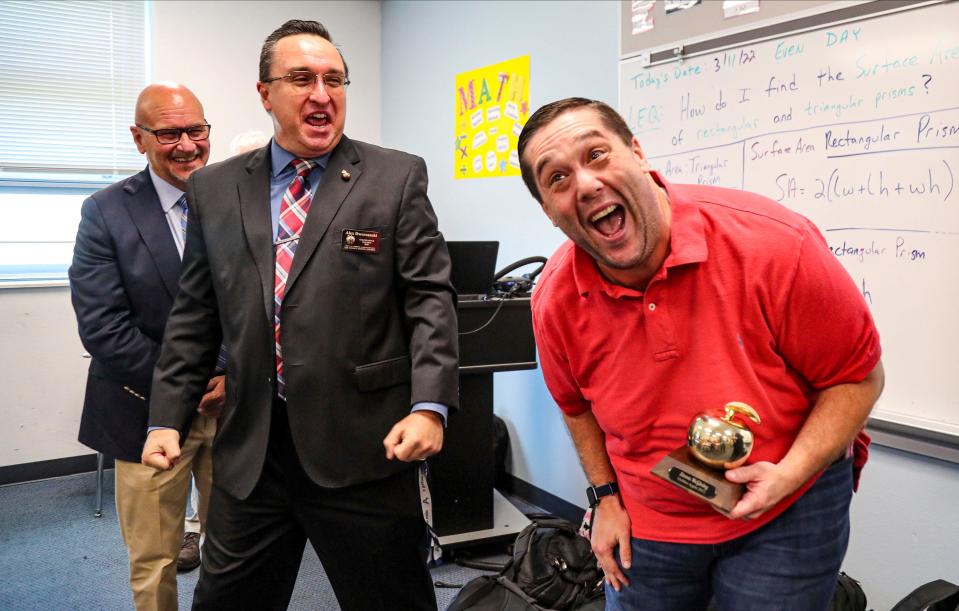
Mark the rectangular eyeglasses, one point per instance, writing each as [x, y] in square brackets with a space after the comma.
[172, 135]
[306, 79]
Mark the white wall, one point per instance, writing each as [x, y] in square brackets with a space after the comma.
[905, 525]
[425, 44]
[222, 65]
[904, 518]
[42, 374]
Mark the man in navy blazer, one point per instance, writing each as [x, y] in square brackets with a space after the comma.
[369, 350]
[123, 279]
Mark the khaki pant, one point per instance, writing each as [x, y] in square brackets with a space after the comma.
[151, 506]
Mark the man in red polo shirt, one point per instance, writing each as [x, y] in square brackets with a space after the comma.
[670, 300]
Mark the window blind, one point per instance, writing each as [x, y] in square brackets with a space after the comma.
[71, 75]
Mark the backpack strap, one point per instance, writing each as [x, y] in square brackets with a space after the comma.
[515, 589]
[938, 595]
[545, 520]
[481, 593]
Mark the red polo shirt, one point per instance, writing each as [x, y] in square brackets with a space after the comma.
[750, 305]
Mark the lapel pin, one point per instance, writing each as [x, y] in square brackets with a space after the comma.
[345, 175]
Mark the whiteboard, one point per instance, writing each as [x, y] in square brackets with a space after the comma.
[855, 126]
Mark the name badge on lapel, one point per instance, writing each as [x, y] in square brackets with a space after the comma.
[358, 240]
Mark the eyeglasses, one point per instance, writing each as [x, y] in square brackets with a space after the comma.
[304, 80]
[172, 135]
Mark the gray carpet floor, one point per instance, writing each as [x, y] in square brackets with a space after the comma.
[54, 555]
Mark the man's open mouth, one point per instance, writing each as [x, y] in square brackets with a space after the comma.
[318, 119]
[609, 220]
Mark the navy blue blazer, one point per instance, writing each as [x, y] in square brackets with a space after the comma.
[123, 280]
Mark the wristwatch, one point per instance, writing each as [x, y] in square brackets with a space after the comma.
[594, 493]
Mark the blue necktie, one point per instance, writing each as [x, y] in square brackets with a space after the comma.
[184, 215]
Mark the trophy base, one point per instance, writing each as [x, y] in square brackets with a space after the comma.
[681, 469]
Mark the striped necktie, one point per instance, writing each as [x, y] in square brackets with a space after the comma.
[184, 215]
[293, 210]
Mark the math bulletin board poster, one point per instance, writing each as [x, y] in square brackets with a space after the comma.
[492, 105]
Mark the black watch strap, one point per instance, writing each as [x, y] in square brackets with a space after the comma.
[594, 493]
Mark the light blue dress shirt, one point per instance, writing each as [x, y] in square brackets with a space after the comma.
[168, 195]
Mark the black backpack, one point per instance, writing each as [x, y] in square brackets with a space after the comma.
[939, 595]
[554, 564]
[848, 595]
[492, 593]
[552, 569]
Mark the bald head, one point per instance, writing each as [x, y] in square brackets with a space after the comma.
[159, 96]
[171, 106]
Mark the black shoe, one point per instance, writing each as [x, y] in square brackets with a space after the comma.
[189, 557]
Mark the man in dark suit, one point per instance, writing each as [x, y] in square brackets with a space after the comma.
[123, 280]
[343, 357]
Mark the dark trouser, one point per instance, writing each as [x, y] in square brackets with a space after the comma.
[791, 563]
[370, 538]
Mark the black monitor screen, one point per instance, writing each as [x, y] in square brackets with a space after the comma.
[474, 264]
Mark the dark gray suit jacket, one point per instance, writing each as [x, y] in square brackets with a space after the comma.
[122, 282]
[365, 334]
